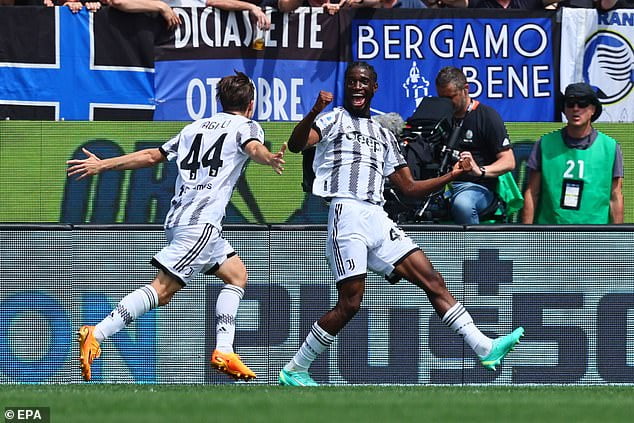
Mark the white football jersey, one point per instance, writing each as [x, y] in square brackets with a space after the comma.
[210, 157]
[353, 157]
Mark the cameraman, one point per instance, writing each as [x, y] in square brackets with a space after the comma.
[484, 141]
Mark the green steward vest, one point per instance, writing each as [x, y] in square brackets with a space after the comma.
[586, 172]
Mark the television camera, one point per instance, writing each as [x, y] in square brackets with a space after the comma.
[428, 143]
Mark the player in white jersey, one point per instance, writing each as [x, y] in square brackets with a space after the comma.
[210, 155]
[353, 156]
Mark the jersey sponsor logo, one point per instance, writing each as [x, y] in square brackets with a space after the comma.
[374, 144]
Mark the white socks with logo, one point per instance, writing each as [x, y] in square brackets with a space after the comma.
[130, 308]
[460, 321]
[317, 341]
[226, 311]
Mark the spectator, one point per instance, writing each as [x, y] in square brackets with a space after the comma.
[484, 142]
[576, 173]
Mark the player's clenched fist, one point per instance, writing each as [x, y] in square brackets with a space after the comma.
[460, 167]
[466, 165]
[323, 99]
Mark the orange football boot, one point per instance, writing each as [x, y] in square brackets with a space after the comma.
[231, 364]
[88, 349]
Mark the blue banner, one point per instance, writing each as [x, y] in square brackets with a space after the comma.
[75, 72]
[300, 55]
[285, 89]
[507, 62]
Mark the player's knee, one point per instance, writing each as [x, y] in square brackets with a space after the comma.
[165, 288]
[349, 307]
[238, 280]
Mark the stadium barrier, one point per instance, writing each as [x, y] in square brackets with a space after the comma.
[572, 288]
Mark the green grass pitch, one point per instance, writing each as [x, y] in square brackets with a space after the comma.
[97, 403]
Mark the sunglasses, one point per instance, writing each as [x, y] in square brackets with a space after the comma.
[581, 103]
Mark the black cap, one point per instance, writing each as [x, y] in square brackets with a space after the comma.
[583, 91]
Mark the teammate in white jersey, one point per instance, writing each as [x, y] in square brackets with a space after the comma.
[210, 155]
[353, 156]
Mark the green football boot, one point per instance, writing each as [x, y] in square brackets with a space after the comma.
[501, 347]
[289, 378]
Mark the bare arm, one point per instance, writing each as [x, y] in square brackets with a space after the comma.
[303, 135]
[263, 22]
[616, 201]
[403, 180]
[531, 196]
[93, 165]
[260, 154]
[136, 6]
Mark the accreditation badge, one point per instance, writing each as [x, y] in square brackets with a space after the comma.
[571, 191]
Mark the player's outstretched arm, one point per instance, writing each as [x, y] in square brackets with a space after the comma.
[405, 182]
[303, 134]
[260, 154]
[93, 165]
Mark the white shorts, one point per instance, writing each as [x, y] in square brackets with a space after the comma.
[361, 236]
[192, 250]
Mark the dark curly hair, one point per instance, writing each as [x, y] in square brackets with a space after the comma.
[362, 65]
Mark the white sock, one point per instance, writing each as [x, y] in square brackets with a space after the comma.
[460, 321]
[226, 311]
[130, 308]
[317, 341]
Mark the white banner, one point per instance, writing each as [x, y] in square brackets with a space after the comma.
[597, 48]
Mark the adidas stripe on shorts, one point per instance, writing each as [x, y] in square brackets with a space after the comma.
[192, 250]
[361, 236]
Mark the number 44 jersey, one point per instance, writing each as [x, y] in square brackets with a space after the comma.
[210, 157]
